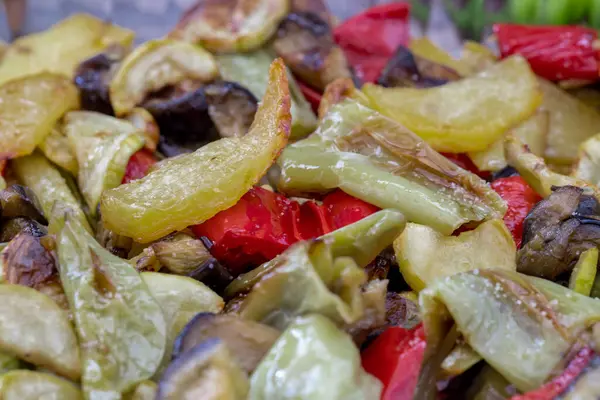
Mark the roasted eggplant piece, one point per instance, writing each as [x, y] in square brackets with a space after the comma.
[9, 229]
[212, 274]
[248, 341]
[408, 70]
[306, 44]
[557, 231]
[208, 370]
[118, 245]
[20, 201]
[28, 261]
[231, 107]
[92, 78]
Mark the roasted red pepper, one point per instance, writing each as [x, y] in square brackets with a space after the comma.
[369, 39]
[559, 384]
[463, 161]
[2, 167]
[395, 359]
[554, 52]
[263, 224]
[311, 95]
[520, 198]
[138, 165]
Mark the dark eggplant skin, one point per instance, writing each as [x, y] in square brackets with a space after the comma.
[231, 107]
[92, 78]
[10, 228]
[20, 201]
[505, 172]
[556, 231]
[213, 275]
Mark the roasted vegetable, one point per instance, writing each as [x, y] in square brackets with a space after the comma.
[61, 48]
[408, 70]
[50, 342]
[121, 327]
[425, 254]
[50, 187]
[118, 245]
[533, 132]
[571, 123]
[33, 385]
[232, 25]
[250, 71]
[181, 299]
[306, 44]
[231, 107]
[92, 78]
[28, 261]
[208, 369]
[8, 363]
[212, 274]
[30, 109]
[557, 230]
[20, 201]
[145, 123]
[248, 341]
[322, 276]
[180, 253]
[587, 167]
[424, 48]
[312, 359]
[103, 146]
[146, 390]
[57, 149]
[9, 229]
[176, 198]
[157, 64]
[522, 326]
[476, 57]
[584, 273]
[468, 115]
[379, 161]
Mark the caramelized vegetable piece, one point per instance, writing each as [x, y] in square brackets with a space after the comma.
[103, 146]
[468, 115]
[533, 132]
[121, 327]
[146, 124]
[208, 369]
[587, 167]
[322, 276]
[306, 44]
[50, 341]
[154, 65]
[571, 123]
[181, 299]
[118, 245]
[584, 273]
[20, 201]
[250, 70]
[93, 76]
[61, 48]
[57, 149]
[35, 172]
[425, 254]
[423, 47]
[9, 229]
[379, 161]
[231, 25]
[30, 109]
[312, 359]
[231, 107]
[248, 341]
[521, 326]
[33, 385]
[180, 253]
[190, 189]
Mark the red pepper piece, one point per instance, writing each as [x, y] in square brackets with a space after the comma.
[559, 384]
[311, 95]
[554, 52]
[138, 165]
[343, 209]
[2, 167]
[520, 198]
[463, 161]
[369, 39]
[395, 359]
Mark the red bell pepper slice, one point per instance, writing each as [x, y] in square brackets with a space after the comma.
[263, 224]
[554, 52]
[559, 384]
[2, 167]
[395, 359]
[463, 161]
[369, 39]
[311, 95]
[138, 165]
[520, 198]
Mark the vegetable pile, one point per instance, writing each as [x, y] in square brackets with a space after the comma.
[270, 204]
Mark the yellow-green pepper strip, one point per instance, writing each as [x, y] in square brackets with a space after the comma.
[8, 363]
[321, 276]
[36, 172]
[103, 146]
[584, 273]
[377, 160]
[313, 359]
[34, 385]
[251, 70]
[121, 327]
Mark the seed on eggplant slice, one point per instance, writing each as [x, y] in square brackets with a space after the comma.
[20, 201]
[10, 228]
[247, 340]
